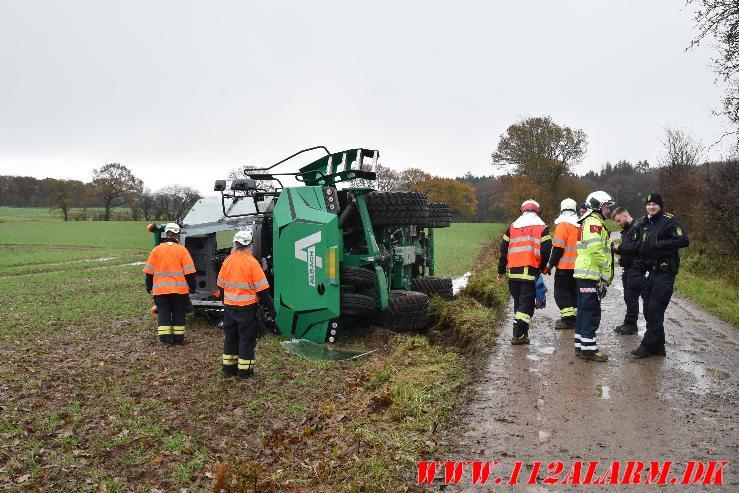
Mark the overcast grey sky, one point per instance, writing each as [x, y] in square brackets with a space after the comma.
[181, 92]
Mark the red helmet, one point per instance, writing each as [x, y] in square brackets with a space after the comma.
[531, 205]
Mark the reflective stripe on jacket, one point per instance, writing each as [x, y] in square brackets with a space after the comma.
[169, 263]
[565, 237]
[594, 260]
[524, 246]
[241, 278]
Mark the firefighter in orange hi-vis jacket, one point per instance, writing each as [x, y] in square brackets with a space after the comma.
[243, 284]
[524, 252]
[170, 276]
[564, 254]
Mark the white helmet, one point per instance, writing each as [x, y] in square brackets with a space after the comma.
[244, 237]
[596, 200]
[172, 228]
[568, 205]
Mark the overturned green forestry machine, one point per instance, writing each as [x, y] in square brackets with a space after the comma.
[333, 252]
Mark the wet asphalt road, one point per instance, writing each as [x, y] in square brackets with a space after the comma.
[541, 402]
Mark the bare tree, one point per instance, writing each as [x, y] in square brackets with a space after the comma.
[681, 149]
[719, 19]
[680, 178]
[174, 201]
[238, 173]
[115, 183]
[146, 202]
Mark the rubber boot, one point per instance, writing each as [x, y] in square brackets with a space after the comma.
[659, 352]
[563, 324]
[641, 352]
[520, 335]
[598, 356]
[626, 329]
[245, 374]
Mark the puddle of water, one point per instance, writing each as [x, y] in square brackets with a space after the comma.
[546, 349]
[533, 357]
[603, 391]
[544, 435]
[721, 375]
[136, 263]
[101, 259]
[460, 282]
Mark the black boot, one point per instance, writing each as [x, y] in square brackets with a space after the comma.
[659, 351]
[166, 338]
[598, 356]
[626, 328]
[641, 352]
[563, 324]
[244, 374]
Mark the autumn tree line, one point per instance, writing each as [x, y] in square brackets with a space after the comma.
[114, 193]
[535, 158]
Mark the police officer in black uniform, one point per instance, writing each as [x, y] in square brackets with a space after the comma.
[633, 275]
[661, 236]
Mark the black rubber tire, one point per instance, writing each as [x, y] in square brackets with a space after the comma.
[434, 285]
[440, 216]
[397, 208]
[408, 311]
[358, 277]
[357, 305]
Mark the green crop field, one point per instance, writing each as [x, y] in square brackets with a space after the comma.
[457, 246]
[92, 402]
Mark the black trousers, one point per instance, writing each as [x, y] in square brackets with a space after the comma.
[634, 286]
[588, 316]
[239, 338]
[171, 310]
[657, 297]
[524, 297]
[565, 294]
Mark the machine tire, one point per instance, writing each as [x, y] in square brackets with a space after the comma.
[397, 208]
[441, 286]
[408, 311]
[440, 216]
[358, 277]
[357, 305]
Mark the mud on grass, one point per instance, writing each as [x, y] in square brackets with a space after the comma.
[90, 400]
[470, 322]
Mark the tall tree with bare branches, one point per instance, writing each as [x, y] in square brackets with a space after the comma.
[719, 19]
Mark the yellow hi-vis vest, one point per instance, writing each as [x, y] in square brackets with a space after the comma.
[594, 260]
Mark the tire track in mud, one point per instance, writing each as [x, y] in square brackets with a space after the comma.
[542, 403]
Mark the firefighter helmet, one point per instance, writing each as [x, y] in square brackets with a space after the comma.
[597, 200]
[568, 205]
[173, 228]
[531, 205]
[244, 237]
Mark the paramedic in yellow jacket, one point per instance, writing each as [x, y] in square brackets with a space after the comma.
[593, 272]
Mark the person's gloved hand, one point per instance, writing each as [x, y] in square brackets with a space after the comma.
[602, 288]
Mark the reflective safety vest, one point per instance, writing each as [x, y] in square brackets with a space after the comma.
[594, 260]
[169, 262]
[241, 278]
[565, 237]
[524, 246]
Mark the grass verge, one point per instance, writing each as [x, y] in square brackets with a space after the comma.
[712, 281]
